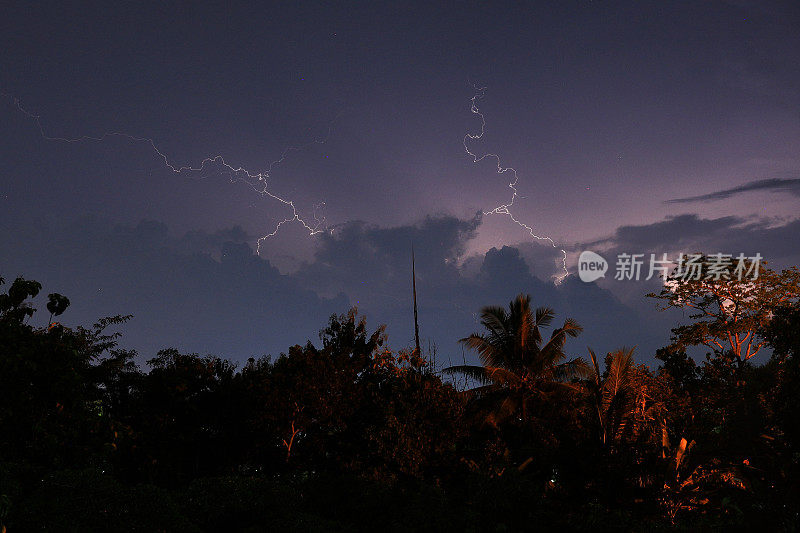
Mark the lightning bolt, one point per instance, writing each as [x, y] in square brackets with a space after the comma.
[258, 181]
[505, 209]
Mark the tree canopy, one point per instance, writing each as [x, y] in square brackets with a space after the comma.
[348, 433]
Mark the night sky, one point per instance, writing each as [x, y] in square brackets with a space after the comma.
[634, 127]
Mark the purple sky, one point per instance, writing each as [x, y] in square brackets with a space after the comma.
[606, 112]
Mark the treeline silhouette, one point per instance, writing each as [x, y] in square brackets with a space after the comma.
[350, 435]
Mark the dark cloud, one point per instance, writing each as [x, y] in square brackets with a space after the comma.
[365, 260]
[790, 186]
[545, 261]
[371, 265]
[208, 291]
[776, 240]
[204, 242]
[668, 234]
[204, 292]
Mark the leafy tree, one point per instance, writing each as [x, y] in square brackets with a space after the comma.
[56, 304]
[13, 305]
[352, 406]
[349, 432]
[181, 416]
[51, 409]
[783, 335]
[727, 312]
[783, 331]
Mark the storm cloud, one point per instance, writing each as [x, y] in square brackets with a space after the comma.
[779, 185]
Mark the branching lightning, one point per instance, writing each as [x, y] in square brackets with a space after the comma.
[258, 181]
[505, 209]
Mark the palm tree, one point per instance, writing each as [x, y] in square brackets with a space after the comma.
[625, 399]
[613, 395]
[517, 369]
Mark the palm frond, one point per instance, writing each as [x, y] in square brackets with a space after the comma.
[489, 352]
[494, 318]
[596, 367]
[575, 368]
[571, 327]
[616, 387]
[480, 392]
[508, 406]
[478, 373]
[502, 376]
[485, 374]
[619, 364]
[544, 316]
[525, 328]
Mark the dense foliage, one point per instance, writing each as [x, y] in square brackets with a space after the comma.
[351, 435]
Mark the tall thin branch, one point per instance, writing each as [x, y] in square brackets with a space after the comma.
[414, 291]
